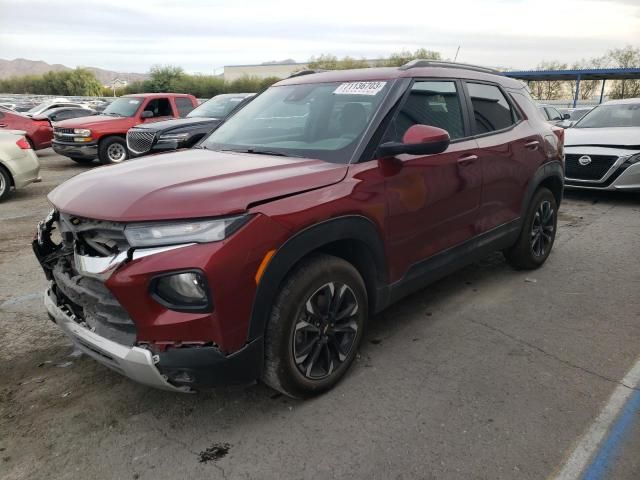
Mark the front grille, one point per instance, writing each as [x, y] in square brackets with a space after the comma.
[63, 133]
[139, 140]
[88, 298]
[93, 304]
[96, 238]
[600, 164]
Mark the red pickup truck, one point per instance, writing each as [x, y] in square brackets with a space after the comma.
[103, 136]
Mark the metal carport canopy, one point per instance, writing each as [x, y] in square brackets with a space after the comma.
[578, 75]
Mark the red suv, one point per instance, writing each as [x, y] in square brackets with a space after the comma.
[103, 136]
[262, 252]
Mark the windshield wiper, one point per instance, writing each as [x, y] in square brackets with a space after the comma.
[256, 152]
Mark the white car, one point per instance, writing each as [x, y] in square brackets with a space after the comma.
[602, 150]
[55, 103]
[19, 164]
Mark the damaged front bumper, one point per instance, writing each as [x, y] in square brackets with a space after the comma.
[102, 303]
[136, 363]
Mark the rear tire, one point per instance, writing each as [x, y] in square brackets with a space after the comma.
[538, 233]
[5, 184]
[112, 150]
[315, 327]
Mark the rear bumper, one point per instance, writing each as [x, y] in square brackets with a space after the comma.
[86, 150]
[25, 170]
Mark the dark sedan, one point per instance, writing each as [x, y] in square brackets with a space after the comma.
[184, 132]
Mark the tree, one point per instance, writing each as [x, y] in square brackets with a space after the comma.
[397, 59]
[400, 58]
[331, 62]
[165, 78]
[80, 82]
[627, 57]
[548, 89]
[588, 88]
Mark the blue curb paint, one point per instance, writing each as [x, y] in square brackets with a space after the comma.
[610, 447]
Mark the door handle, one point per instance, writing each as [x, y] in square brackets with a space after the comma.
[532, 145]
[467, 160]
[2, 125]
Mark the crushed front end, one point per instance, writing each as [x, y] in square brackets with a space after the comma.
[104, 304]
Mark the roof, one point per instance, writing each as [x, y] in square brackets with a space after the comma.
[573, 74]
[391, 73]
[625, 101]
[147, 95]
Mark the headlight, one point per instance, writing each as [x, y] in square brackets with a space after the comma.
[195, 231]
[631, 159]
[173, 137]
[82, 132]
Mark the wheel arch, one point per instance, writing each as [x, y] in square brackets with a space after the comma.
[6, 169]
[549, 175]
[354, 238]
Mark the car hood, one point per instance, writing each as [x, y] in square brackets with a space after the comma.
[189, 184]
[178, 124]
[623, 137]
[84, 122]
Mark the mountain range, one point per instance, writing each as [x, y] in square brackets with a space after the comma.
[21, 66]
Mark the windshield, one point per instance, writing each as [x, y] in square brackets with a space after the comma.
[218, 107]
[323, 121]
[123, 107]
[611, 116]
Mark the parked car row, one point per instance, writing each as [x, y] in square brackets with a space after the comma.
[39, 127]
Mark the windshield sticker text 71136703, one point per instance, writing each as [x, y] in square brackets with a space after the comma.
[359, 88]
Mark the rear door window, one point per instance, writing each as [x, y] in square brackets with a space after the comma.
[184, 106]
[491, 110]
[434, 103]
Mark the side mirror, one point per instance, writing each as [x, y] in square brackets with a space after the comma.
[566, 116]
[146, 114]
[417, 140]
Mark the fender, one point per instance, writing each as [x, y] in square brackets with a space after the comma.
[351, 227]
[554, 170]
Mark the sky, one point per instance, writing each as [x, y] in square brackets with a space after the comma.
[203, 36]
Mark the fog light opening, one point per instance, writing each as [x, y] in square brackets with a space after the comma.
[182, 291]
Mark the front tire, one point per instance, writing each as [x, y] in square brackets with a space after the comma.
[112, 150]
[315, 327]
[538, 233]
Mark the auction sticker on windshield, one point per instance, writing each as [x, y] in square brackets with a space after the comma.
[359, 88]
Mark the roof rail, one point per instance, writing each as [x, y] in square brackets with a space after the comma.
[418, 63]
[304, 72]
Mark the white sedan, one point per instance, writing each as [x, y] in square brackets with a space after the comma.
[19, 164]
[602, 150]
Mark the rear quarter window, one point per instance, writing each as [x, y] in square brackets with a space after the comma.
[184, 106]
[491, 110]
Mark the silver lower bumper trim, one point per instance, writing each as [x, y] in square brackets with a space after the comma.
[134, 362]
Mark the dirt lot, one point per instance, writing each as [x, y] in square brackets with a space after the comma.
[489, 374]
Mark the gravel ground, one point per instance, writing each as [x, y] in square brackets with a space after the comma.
[488, 374]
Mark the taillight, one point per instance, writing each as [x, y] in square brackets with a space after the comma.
[23, 144]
